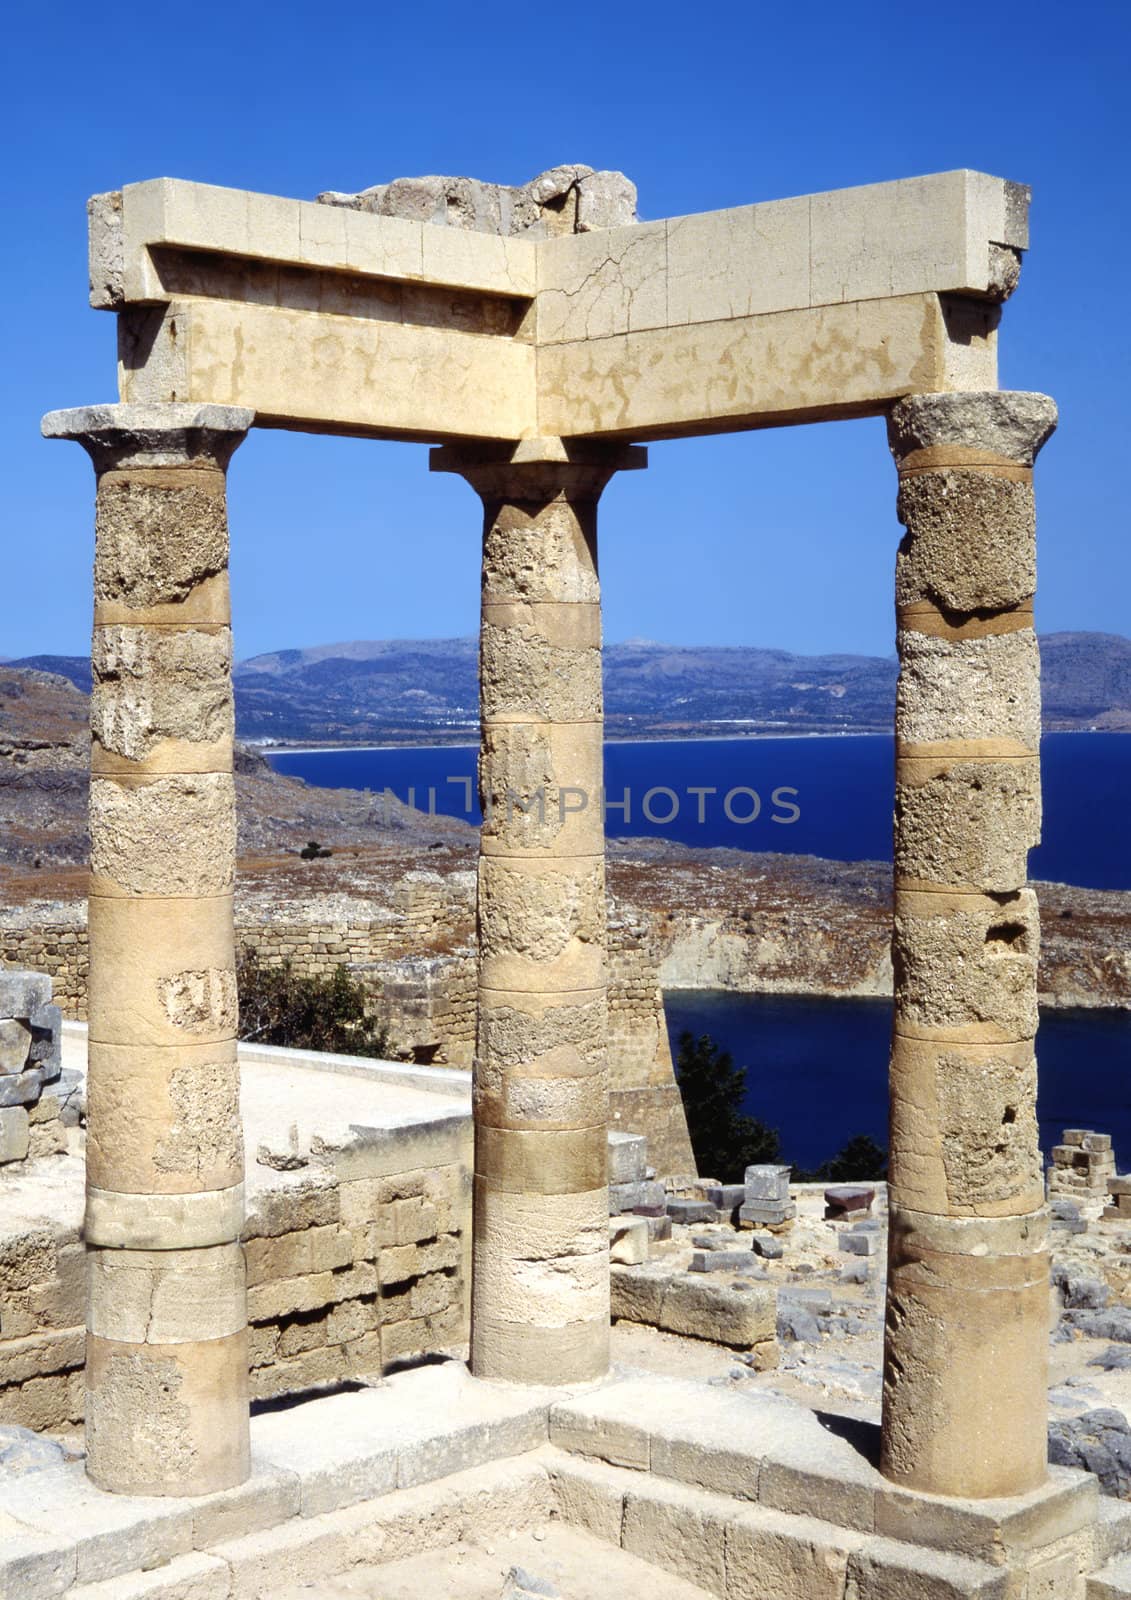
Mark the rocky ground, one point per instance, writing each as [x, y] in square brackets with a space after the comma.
[830, 1325]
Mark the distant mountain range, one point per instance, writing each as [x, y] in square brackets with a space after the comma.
[416, 690]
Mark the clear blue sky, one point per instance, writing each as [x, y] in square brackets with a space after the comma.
[782, 538]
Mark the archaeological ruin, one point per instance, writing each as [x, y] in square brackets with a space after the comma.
[538, 338]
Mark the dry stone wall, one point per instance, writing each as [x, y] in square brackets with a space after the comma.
[349, 1273]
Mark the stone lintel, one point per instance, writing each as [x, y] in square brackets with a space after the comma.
[811, 308]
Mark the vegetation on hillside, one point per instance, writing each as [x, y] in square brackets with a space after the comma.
[306, 1013]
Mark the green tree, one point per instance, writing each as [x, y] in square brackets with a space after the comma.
[306, 1013]
[724, 1139]
[862, 1160]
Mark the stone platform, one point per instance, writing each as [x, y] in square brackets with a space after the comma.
[743, 1496]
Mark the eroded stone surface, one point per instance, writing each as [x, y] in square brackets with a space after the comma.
[152, 684]
[969, 688]
[971, 541]
[173, 835]
[967, 962]
[968, 824]
[154, 545]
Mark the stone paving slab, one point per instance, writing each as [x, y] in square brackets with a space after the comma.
[426, 1423]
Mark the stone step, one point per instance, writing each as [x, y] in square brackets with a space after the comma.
[1112, 1582]
[58, 1531]
[761, 1447]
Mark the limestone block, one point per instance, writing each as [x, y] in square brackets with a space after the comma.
[628, 1157]
[700, 1309]
[40, 1354]
[166, 1296]
[628, 1240]
[637, 1295]
[167, 1419]
[15, 1044]
[34, 1564]
[291, 1255]
[163, 1221]
[155, 541]
[523, 1353]
[193, 1577]
[567, 1161]
[823, 362]
[1010, 423]
[964, 1138]
[791, 1557]
[47, 1139]
[587, 1495]
[23, 993]
[966, 1354]
[680, 1530]
[22, 1089]
[723, 265]
[541, 924]
[440, 382]
[311, 1200]
[528, 1033]
[969, 689]
[13, 1133]
[540, 785]
[767, 1184]
[542, 553]
[966, 966]
[151, 685]
[163, 1120]
[966, 824]
[135, 821]
[162, 971]
[894, 1571]
[605, 283]
[540, 661]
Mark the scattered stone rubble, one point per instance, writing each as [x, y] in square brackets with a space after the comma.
[37, 1100]
[1081, 1164]
[566, 199]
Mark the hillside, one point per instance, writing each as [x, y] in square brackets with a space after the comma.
[44, 763]
[425, 690]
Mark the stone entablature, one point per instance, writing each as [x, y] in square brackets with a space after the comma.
[824, 305]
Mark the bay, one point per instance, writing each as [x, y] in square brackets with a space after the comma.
[817, 1069]
[828, 797]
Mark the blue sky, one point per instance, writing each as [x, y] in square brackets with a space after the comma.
[783, 538]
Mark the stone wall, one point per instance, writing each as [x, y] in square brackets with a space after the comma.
[425, 994]
[353, 1267]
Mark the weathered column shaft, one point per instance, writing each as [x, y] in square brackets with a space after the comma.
[540, 1275]
[967, 1299]
[167, 1392]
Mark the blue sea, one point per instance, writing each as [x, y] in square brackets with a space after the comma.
[827, 797]
[817, 1069]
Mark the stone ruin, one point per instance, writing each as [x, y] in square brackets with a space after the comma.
[38, 1101]
[1081, 1165]
[540, 343]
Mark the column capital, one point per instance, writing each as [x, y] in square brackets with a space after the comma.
[152, 435]
[973, 428]
[538, 468]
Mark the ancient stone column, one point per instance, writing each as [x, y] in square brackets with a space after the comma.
[540, 1274]
[967, 1299]
[166, 1362]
